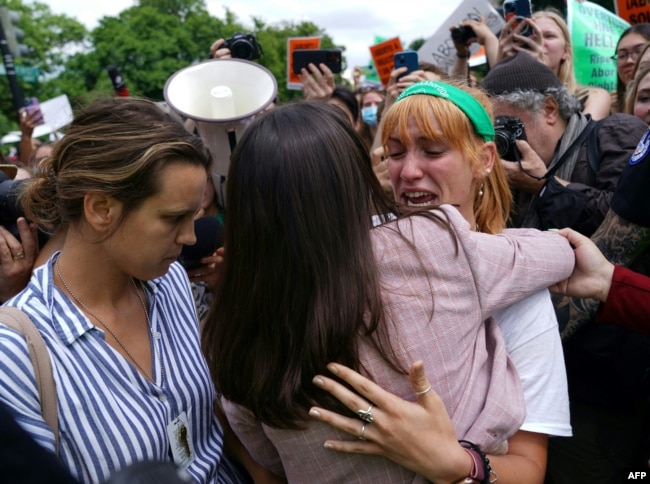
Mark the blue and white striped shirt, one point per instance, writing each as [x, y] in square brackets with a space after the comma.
[109, 414]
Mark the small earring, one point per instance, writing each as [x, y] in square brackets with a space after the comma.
[488, 171]
[480, 191]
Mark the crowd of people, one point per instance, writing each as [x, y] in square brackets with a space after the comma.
[434, 280]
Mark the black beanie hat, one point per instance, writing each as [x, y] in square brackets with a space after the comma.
[519, 72]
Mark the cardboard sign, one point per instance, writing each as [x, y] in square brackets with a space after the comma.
[293, 43]
[439, 48]
[633, 11]
[382, 55]
[594, 34]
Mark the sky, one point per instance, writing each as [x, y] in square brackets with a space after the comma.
[352, 23]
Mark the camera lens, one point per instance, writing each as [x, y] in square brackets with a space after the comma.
[242, 49]
[502, 140]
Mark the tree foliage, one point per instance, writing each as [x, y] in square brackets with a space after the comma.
[147, 42]
[50, 39]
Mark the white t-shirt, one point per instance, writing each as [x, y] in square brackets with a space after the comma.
[532, 338]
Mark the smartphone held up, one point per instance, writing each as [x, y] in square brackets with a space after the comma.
[301, 58]
[32, 110]
[520, 10]
[408, 59]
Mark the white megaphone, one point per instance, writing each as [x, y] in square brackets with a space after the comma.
[221, 95]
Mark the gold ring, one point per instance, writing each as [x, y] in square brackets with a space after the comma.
[20, 255]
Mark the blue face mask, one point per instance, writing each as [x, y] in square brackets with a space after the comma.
[369, 116]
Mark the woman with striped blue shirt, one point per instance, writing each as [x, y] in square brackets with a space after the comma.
[115, 310]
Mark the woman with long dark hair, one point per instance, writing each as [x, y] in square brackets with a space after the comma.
[307, 280]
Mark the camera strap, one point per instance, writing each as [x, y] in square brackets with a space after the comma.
[569, 151]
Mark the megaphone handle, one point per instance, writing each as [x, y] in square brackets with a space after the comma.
[221, 193]
[232, 139]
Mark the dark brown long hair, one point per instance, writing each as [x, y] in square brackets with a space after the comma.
[300, 283]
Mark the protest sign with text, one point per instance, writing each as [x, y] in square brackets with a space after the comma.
[594, 34]
[633, 11]
[294, 43]
[439, 48]
[382, 56]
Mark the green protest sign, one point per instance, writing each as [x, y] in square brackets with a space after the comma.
[594, 34]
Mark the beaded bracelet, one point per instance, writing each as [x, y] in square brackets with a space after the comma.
[481, 469]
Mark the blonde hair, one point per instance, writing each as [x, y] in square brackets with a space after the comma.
[491, 209]
[565, 72]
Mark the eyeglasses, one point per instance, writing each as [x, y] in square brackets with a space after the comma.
[622, 55]
[369, 88]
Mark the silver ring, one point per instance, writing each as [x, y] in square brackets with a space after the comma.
[362, 435]
[423, 392]
[366, 415]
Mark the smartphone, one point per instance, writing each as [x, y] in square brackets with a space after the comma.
[31, 106]
[520, 9]
[330, 57]
[408, 59]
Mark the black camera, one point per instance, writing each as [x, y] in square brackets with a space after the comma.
[507, 131]
[243, 46]
[462, 33]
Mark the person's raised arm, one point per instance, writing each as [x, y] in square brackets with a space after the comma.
[217, 51]
[317, 82]
[28, 121]
[511, 41]
[484, 36]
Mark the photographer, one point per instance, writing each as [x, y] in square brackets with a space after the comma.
[17, 255]
[239, 46]
[564, 176]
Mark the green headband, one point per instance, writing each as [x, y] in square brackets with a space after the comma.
[465, 102]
